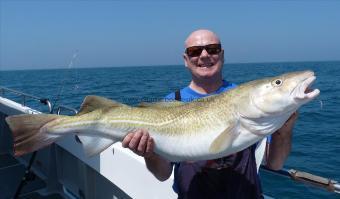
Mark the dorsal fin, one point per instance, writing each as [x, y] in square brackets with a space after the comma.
[160, 104]
[92, 102]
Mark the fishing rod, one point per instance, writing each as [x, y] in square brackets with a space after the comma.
[64, 80]
[307, 178]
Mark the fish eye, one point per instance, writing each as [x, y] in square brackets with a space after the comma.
[277, 82]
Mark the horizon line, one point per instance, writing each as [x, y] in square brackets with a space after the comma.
[165, 65]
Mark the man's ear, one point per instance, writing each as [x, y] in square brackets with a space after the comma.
[186, 59]
[222, 54]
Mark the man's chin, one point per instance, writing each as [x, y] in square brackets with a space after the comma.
[207, 75]
[206, 72]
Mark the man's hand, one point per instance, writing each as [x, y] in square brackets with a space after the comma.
[289, 124]
[142, 144]
[139, 142]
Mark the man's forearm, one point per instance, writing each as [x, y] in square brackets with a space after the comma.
[281, 144]
[158, 166]
[279, 149]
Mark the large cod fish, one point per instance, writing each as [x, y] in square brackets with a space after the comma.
[207, 128]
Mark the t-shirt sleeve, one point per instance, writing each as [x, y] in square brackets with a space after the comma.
[169, 97]
[233, 85]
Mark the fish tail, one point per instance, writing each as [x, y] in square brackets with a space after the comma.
[28, 134]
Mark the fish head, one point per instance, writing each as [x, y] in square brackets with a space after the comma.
[284, 93]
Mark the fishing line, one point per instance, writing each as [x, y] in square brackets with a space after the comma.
[321, 104]
[62, 83]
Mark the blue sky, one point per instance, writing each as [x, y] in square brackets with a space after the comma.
[45, 34]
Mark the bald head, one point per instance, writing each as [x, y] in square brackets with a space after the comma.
[201, 37]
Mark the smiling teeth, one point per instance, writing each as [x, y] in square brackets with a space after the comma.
[206, 65]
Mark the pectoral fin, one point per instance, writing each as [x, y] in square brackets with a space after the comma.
[260, 151]
[94, 145]
[224, 140]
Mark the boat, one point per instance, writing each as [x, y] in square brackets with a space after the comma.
[62, 170]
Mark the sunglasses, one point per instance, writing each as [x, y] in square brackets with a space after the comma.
[195, 51]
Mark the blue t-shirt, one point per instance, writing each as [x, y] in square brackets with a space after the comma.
[189, 177]
[188, 95]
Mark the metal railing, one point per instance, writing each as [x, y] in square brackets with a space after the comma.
[62, 107]
[44, 101]
[25, 96]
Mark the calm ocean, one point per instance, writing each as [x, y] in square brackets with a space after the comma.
[316, 147]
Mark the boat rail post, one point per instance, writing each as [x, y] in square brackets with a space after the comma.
[23, 102]
[48, 103]
[60, 108]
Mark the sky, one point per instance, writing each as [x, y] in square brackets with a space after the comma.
[107, 33]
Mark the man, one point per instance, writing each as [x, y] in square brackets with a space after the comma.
[234, 176]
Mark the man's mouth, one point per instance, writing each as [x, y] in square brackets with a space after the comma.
[205, 65]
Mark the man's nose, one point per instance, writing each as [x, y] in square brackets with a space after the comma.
[204, 53]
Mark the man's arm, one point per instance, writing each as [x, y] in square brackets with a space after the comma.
[279, 148]
[142, 144]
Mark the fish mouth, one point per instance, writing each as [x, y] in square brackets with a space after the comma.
[305, 90]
